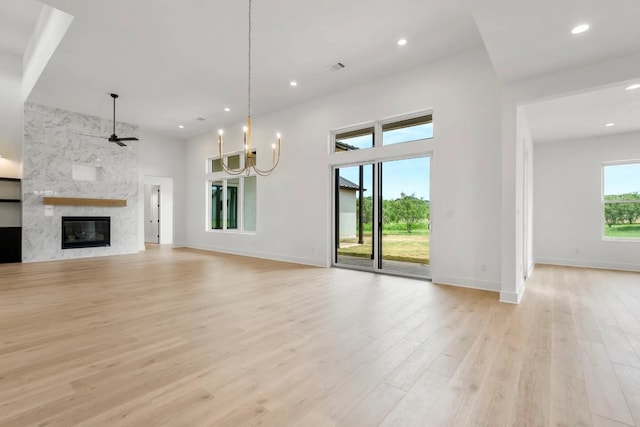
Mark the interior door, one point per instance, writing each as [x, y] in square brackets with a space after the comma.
[152, 214]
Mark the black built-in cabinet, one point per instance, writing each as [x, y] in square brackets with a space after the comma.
[10, 220]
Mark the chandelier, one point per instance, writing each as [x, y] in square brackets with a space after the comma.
[249, 154]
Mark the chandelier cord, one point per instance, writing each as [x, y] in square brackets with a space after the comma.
[249, 68]
[249, 155]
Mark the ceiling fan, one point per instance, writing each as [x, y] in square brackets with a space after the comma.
[114, 138]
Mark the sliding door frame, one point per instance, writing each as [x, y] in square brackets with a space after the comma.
[374, 155]
[376, 229]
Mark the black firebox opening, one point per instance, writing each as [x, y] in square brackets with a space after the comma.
[85, 231]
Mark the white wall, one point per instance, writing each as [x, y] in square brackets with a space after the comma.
[568, 212]
[574, 80]
[162, 162]
[348, 212]
[524, 198]
[294, 218]
[10, 116]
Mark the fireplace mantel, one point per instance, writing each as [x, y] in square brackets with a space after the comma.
[78, 201]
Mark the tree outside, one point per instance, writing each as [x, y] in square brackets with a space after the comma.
[622, 215]
[405, 229]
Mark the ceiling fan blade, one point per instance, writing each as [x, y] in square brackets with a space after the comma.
[121, 144]
[92, 136]
[128, 139]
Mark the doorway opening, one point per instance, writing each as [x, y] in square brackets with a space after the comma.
[152, 214]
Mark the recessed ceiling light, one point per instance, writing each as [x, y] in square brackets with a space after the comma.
[633, 87]
[227, 109]
[402, 42]
[293, 83]
[580, 28]
[608, 125]
[181, 126]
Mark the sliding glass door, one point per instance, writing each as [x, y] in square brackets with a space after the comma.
[404, 219]
[354, 216]
[382, 216]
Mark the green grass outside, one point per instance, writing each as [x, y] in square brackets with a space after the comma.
[405, 247]
[622, 231]
[399, 228]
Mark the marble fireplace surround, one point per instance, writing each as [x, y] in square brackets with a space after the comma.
[53, 149]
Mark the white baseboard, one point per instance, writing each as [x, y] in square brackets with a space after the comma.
[269, 256]
[588, 264]
[513, 297]
[463, 282]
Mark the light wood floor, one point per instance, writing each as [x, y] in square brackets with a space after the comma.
[181, 337]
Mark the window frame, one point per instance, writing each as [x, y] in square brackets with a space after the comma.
[604, 203]
[377, 131]
[225, 179]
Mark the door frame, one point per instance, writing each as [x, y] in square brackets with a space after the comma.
[376, 229]
[166, 209]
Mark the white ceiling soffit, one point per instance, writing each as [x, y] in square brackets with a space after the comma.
[585, 115]
[529, 38]
[17, 22]
[49, 31]
[172, 62]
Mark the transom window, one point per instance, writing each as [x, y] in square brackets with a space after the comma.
[407, 130]
[394, 131]
[621, 200]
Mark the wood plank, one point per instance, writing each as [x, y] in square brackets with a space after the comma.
[79, 201]
[374, 408]
[166, 337]
[569, 402]
[599, 421]
[630, 382]
[605, 395]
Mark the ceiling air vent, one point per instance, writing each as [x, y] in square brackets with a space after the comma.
[335, 67]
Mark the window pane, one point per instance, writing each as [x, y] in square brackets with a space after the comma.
[216, 205]
[250, 203]
[232, 203]
[354, 215]
[216, 165]
[622, 201]
[622, 182]
[354, 140]
[405, 239]
[622, 220]
[407, 130]
[234, 161]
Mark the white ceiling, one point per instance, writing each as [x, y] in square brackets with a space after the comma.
[530, 38]
[17, 22]
[172, 62]
[584, 115]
